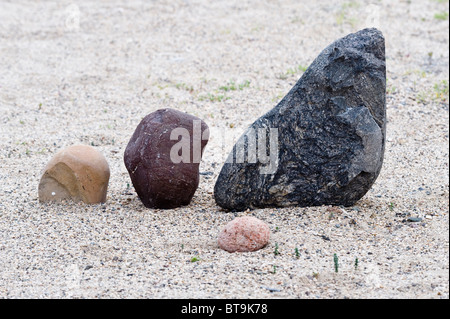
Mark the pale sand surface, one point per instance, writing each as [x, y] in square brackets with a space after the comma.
[88, 73]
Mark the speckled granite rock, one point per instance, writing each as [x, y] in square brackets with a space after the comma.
[163, 156]
[331, 134]
[78, 172]
[244, 234]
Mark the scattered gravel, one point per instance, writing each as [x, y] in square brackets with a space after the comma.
[88, 73]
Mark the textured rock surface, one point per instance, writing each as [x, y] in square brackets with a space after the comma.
[159, 181]
[331, 133]
[244, 234]
[79, 172]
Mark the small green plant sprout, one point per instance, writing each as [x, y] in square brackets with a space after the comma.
[244, 84]
[391, 89]
[218, 98]
[297, 253]
[391, 206]
[356, 263]
[292, 71]
[422, 97]
[213, 98]
[278, 97]
[195, 259]
[336, 263]
[274, 269]
[276, 252]
[184, 86]
[441, 15]
[441, 91]
[302, 68]
[282, 76]
[231, 86]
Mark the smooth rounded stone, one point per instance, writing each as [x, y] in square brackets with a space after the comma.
[323, 144]
[163, 157]
[244, 234]
[78, 172]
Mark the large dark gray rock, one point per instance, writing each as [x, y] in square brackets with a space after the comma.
[331, 134]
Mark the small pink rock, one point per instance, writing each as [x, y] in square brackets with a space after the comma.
[244, 234]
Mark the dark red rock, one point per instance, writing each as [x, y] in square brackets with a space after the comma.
[165, 171]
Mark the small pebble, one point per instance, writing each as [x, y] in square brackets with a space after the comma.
[244, 234]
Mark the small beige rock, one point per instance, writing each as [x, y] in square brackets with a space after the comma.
[244, 234]
[79, 172]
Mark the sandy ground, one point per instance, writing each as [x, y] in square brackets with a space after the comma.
[88, 72]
